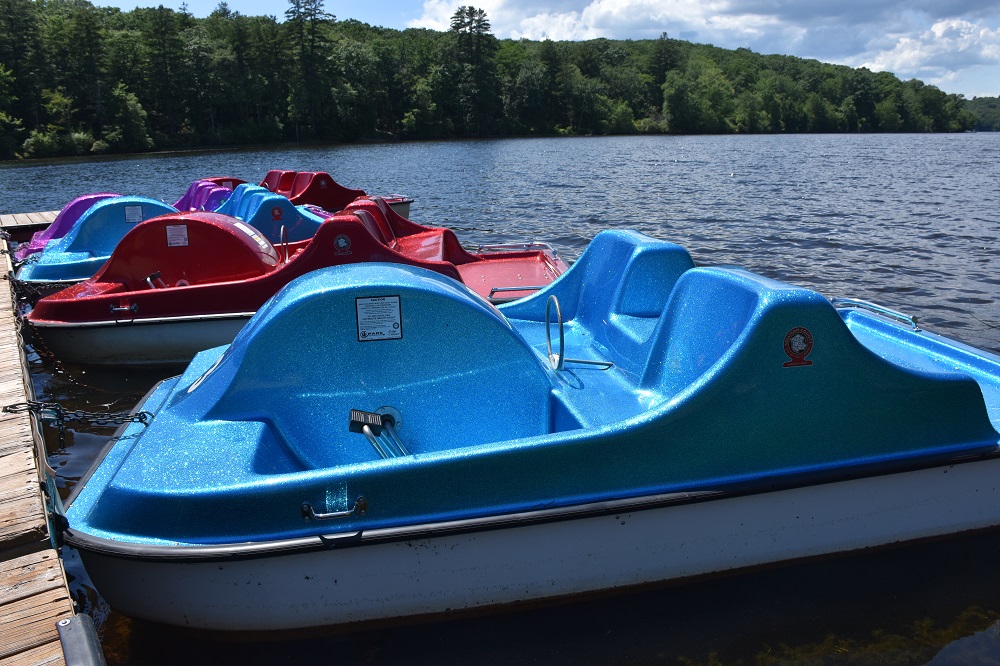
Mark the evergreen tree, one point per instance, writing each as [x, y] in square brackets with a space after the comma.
[306, 21]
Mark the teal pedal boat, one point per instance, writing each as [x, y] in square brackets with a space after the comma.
[380, 442]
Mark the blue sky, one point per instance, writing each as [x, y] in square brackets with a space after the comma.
[954, 45]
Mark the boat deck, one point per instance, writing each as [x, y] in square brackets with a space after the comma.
[33, 590]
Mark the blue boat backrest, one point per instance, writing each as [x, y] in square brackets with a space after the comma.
[268, 213]
[612, 296]
[232, 205]
[105, 223]
[379, 335]
[738, 348]
[708, 311]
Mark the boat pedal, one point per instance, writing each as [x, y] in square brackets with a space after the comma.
[380, 431]
[360, 419]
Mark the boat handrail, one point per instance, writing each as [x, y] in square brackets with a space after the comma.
[497, 290]
[508, 247]
[877, 309]
[360, 507]
[558, 361]
[283, 240]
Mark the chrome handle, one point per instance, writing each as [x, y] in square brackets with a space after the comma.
[559, 361]
[360, 507]
[877, 309]
[556, 360]
[496, 290]
[283, 240]
[128, 308]
[508, 247]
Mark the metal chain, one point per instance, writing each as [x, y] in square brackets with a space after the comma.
[58, 413]
[30, 339]
[30, 291]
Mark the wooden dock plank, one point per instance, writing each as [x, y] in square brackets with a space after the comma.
[34, 594]
[29, 575]
[22, 514]
[31, 622]
[33, 597]
[33, 591]
[42, 218]
[50, 654]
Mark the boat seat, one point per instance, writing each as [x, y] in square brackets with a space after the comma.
[416, 241]
[64, 221]
[208, 198]
[611, 298]
[186, 202]
[214, 198]
[210, 248]
[268, 213]
[227, 182]
[300, 181]
[454, 358]
[232, 205]
[249, 203]
[278, 181]
[378, 219]
[368, 221]
[434, 245]
[320, 189]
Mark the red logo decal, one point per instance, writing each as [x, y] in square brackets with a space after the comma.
[798, 344]
[276, 214]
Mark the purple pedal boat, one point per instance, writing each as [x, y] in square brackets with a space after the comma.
[68, 216]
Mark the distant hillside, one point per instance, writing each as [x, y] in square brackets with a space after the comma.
[987, 112]
[80, 79]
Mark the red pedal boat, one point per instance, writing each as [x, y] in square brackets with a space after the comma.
[318, 188]
[180, 283]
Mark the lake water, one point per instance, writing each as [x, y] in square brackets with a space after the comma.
[908, 221]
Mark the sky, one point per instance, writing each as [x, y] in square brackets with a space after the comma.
[953, 45]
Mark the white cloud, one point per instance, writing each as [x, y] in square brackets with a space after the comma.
[926, 39]
[949, 45]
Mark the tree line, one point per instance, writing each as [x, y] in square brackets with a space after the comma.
[80, 79]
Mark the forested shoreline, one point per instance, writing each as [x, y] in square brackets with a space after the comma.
[77, 79]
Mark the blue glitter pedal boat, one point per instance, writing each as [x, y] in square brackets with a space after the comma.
[380, 442]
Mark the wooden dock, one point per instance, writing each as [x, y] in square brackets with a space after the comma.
[34, 594]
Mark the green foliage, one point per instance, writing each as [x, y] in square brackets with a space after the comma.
[987, 113]
[127, 131]
[76, 78]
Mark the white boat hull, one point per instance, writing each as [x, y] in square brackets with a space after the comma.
[140, 342]
[380, 575]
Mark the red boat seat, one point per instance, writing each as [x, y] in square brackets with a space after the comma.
[278, 181]
[300, 181]
[411, 239]
[373, 227]
[320, 189]
[271, 179]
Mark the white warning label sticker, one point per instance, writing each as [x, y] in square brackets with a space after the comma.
[379, 318]
[177, 235]
[133, 214]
